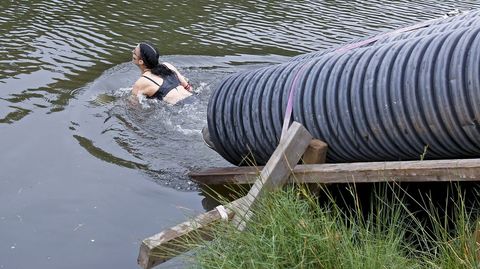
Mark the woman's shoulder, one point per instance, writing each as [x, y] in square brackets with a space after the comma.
[169, 66]
[147, 80]
[142, 81]
[148, 77]
[147, 84]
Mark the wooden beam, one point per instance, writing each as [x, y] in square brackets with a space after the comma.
[404, 171]
[316, 152]
[169, 243]
[276, 171]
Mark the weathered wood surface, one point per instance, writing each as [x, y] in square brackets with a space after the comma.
[403, 171]
[276, 171]
[316, 152]
[169, 243]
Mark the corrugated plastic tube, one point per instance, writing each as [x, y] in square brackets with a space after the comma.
[377, 103]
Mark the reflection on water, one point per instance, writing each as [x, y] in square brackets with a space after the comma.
[50, 49]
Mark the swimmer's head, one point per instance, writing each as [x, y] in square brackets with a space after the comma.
[149, 54]
[146, 56]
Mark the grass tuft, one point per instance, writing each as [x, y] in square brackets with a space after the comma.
[292, 230]
[391, 227]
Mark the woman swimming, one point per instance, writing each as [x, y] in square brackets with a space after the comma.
[158, 80]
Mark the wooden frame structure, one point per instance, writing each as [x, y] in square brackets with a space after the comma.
[161, 247]
[280, 169]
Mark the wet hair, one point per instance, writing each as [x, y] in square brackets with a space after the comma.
[149, 55]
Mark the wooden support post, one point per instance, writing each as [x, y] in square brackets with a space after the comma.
[276, 171]
[316, 152]
[169, 243]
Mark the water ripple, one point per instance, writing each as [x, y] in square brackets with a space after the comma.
[56, 47]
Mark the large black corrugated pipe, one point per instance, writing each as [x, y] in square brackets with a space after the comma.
[469, 19]
[371, 104]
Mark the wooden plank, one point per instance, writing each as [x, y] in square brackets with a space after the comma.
[316, 152]
[169, 243]
[403, 171]
[276, 171]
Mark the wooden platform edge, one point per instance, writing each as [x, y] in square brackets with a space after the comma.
[368, 172]
[167, 244]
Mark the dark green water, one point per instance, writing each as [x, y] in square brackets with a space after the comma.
[84, 174]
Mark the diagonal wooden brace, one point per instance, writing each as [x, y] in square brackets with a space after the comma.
[276, 171]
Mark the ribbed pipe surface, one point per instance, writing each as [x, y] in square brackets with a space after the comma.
[374, 103]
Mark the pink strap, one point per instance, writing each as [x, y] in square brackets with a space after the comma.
[288, 112]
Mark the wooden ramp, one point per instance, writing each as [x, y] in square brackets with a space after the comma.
[368, 172]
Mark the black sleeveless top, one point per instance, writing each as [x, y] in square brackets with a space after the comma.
[170, 82]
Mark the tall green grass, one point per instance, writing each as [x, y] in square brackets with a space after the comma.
[453, 239]
[292, 229]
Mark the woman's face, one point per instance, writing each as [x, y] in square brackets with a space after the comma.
[136, 55]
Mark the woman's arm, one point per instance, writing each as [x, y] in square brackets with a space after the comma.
[183, 80]
[136, 89]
